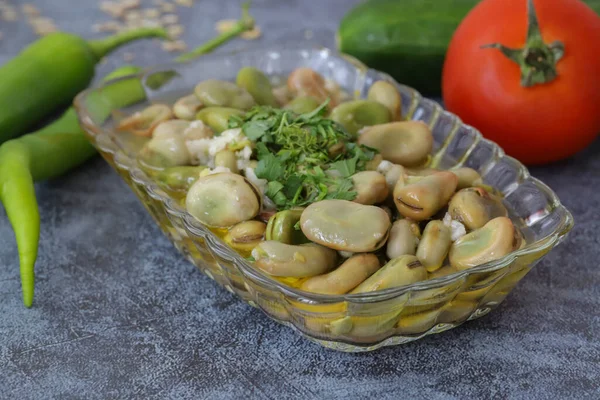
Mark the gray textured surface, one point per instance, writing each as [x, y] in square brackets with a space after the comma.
[119, 314]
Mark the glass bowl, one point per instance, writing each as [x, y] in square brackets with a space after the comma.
[359, 322]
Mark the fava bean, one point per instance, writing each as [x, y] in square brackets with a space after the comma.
[421, 171]
[422, 197]
[179, 178]
[417, 323]
[171, 127]
[403, 239]
[492, 241]
[166, 150]
[142, 123]
[385, 93]
[345, 277]
[187, 107]
[467, 177]
[302, 104]
[281, 227]
[223, 199]
[282, 94]
[246, 235]
[198, 130]
[434, 245]
[216, 93]
[355, 115]
[258, 85]
[344, 225]
[227, 159]
[307, 82]
[370, 186]
[299, 261]
[407, 143]
[474, 207]
[217, 118]
[444, 271]
[399, 271]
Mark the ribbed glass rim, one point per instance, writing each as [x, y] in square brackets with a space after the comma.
[103, 141]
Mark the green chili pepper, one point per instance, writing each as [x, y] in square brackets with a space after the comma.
[44, 154]
[61, 146]
[47, 74]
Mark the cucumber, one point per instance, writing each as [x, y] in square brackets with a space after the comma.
[407, 39]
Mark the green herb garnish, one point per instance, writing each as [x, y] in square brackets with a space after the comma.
[270, 167]
[345, 167]
[295, 154]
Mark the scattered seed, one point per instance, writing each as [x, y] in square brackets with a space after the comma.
[103, 60]
[167, 7]
[41, 21]
[128, 57]
[30, 10]
[177, 45]
[225, 25]
[133, 15]
[134, 24]
[151, 23]
[185, 3]
[108, 26]
[129, 4]
[175, 31]
[169, 19]
[115, 10]
[252, 34]
[9, 14]
[151, 13]
[42, 30]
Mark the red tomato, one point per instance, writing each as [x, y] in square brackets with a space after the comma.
[536, 124]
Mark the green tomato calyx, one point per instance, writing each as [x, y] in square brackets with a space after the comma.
[537, 60]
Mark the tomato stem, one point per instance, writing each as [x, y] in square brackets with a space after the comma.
[537, 60]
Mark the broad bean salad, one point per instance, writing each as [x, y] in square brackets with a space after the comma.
[320, 191]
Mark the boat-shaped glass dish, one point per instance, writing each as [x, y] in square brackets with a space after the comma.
[358, 322]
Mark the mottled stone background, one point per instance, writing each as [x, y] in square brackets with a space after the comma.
[120, 314]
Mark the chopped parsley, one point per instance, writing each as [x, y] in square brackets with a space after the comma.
[345, 167]
[305, 158]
